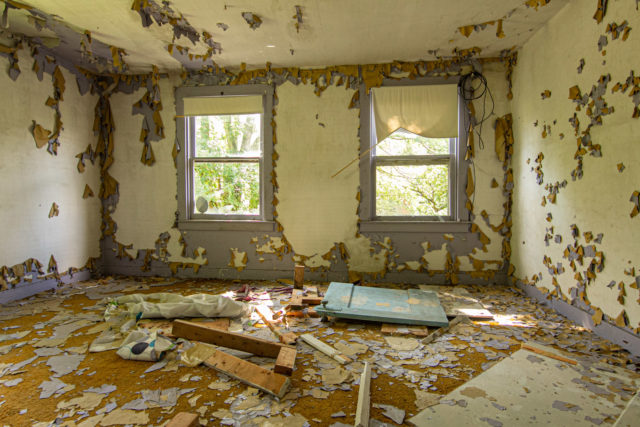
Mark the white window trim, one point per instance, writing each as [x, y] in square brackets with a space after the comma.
[458, 220]
[189, 220]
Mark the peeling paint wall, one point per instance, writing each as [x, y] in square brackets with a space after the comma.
[574, 235]
[316, 134]
[33, 180]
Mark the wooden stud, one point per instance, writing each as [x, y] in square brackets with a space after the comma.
[547, 353]
[285, 361]
[249, 373]
[194, 331]
[184, 419]
[298, 276]
[362, 411]
[324, 348]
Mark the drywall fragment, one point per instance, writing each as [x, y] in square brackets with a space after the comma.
[252, 19]
[40, 135]
[54, 211]
[635, 199]
[88, 192]
[223, 26]
[391, 412]
[581, 66]
[238, 259]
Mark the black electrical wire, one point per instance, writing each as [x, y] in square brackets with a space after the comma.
[469, 94]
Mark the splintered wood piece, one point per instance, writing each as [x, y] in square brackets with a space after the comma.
[547, 353]
[194, 331]
[362, 411]
[285, 361]
[285, 337]
[324, 348]
[296, 299]
[249, 373]
[298, 276]
[184, 419]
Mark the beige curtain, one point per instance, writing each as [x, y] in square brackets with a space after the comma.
[217, 105]
[430, 110]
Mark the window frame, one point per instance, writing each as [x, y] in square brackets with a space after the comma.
[185, 135]
[458, 218]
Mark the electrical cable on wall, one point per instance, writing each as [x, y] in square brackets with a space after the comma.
[469, 94]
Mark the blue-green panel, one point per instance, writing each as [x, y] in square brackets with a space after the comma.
[407, 307]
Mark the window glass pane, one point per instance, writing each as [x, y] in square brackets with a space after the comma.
[227, 188]
[405, 143]
[412, 190]
[236, 135]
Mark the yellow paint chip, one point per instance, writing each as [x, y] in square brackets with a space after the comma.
[40, 135]
[88, 192]
[54, 211]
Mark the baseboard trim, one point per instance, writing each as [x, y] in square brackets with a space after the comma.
[27, 289]
[625, 339]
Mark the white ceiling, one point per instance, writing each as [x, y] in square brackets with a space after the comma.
[333, 32]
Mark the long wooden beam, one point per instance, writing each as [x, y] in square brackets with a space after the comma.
[197, 332]
[249, 373]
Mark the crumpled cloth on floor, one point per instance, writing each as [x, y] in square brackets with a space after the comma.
[140, 346]
[172, 306]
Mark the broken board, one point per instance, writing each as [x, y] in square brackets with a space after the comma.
[529, 388]
[253, 375]
[406, 307]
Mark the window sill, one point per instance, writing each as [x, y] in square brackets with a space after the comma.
[415, 226]
[226, 225]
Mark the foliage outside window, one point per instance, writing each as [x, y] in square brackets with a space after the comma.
[226, 165]
[412, 175]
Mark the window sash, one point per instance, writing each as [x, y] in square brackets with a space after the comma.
[426, 160]
[192, 159]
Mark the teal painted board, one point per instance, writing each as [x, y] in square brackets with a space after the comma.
[407, 307]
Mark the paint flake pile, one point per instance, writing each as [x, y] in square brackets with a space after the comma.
[45, 343]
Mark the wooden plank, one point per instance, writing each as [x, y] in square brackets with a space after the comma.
[296, 299]
[311, 296]
[324, 348]
[249, 373]
[364, 398]
[547, 353]
[184, 419]
[194, 331]
[285, 361]
[298, 276]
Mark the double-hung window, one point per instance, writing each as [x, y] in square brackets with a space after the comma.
[226, 158]
[415, 169]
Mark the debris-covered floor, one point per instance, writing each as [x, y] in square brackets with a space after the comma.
[48, 376]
